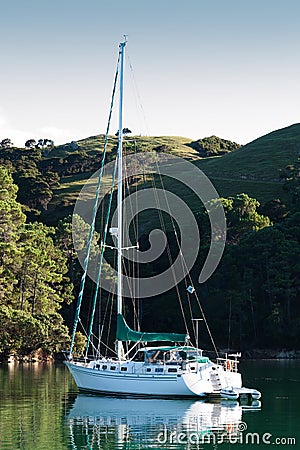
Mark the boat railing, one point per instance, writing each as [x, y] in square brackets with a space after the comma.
[229, 364]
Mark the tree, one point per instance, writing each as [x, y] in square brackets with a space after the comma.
[213, 146]
[33, 279]
[45, 144]
[125, 131]
[34, 179]
[291, 175]
[6, 143]
[64, 240]
[257, 289]
[34, 191]
[31, 143]
[22, 333]
[274, 209]
[11, 218]
[79, 343]
[41, 273]
[242, 216]
[273, 257]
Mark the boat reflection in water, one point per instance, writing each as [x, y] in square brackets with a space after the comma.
[108, 422]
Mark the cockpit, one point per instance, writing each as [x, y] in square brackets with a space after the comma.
[169, 355]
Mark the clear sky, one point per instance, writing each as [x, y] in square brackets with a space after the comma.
[202, 67]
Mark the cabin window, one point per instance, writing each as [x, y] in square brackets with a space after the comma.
[159, 369]
[154, 356]
[104, 367]
[123, 369]
[148, 369]
[97, 366]
[172, 370]
[193, 368]
[113, 368]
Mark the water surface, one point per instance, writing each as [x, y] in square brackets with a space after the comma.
[40, 408]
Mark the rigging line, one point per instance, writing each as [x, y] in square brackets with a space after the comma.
[126, 273]
[94, 351]
[101, 255]
[169, 255]
[97, 338]
[94, 213]
[84, 331]
[83, 328]
[182, 260]
[138, 95]
[136, 232]
[103, 319]
[206, 323]
[132, 293]
[137, 267]
[109, 323]
[136, 228]
[101, 216]
[99, 321]
[132, 348]
[109, 348]
[109, 299]
[190, 278]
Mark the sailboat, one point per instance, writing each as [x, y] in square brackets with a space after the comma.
[171, 366]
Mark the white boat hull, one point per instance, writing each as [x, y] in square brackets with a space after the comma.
[179, 384]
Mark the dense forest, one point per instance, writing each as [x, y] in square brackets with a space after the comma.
[251, 301]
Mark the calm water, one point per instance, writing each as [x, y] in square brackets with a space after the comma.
[41, 409]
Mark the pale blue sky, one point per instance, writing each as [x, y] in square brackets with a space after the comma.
[202, 67]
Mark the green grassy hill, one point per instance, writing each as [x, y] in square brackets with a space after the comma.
[175, 144]
[66, 194]
[253, 168]
[260, 159]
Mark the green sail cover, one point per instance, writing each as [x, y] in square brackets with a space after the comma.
[124, 333]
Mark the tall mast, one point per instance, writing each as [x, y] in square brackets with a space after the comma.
[120, 191]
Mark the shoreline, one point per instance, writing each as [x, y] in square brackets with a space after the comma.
[255, 354]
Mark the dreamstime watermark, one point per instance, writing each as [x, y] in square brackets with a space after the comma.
[230, 434]
[179, 171]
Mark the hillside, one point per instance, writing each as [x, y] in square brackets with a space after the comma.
[176, 144]
[260, 159]
[261, 317]
[213, 146]
[49, 181]
[66, 194]
[253, 169]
